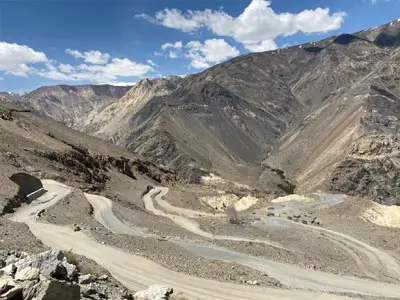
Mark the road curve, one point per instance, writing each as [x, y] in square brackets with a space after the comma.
[137, 273]
[103, 213]
[191, 224]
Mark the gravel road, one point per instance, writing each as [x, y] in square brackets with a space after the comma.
[137, 273]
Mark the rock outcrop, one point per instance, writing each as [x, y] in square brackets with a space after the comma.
[48, 276]
[154, 292]
[93, 167]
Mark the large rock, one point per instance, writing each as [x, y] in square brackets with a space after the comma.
[51, 263]
[14, 294]
[86, 279]
[9, 270]
[47, 289]
[27, 274]
[154, 292]
[95, 288]
[6, 283]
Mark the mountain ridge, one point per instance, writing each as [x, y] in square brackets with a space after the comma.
[304, 109]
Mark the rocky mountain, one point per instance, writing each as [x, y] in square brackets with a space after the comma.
[322, 115]
[72, 104]
[304, 110]
[9, 97]
[113, 121]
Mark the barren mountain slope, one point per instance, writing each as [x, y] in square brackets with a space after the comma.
[320, 112]
[8, 97]
[71, 104]
[113, 121]
[350, 142]
[38, 145]
[314, 97]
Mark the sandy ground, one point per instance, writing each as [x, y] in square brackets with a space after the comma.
[387, 216]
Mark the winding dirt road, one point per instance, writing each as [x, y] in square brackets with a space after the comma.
[137, 273]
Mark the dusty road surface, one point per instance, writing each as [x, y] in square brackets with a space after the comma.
[192, 225]
[137, 273]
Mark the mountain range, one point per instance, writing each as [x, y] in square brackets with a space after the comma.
[318, 116]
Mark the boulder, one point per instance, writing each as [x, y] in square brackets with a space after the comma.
[94, 289]
[9, 270]
[154, 292]
[50, 263]
[86, 279]
[27, 274]
[103, 277]
[11, 259]
[47, 289]
[13, 294]
[6, 284]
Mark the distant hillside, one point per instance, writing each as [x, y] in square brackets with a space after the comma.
[71, 104]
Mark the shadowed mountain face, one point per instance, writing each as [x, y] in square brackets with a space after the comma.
[71, 104]
[326, 113]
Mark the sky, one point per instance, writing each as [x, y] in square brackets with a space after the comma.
[49, 42]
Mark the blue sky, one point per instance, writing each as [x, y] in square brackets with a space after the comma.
[47, 42]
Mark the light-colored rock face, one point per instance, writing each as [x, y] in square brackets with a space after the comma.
[154, 292]
[72, 104]
[114, 121]
[27, 274]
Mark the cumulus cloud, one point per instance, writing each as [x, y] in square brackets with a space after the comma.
[110, 72]
[212, 51]
[21, 60]
[256, 27]
[176, 45]
[93, 57]
[151, 63]
[16, 59]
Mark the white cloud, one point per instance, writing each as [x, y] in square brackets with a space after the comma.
[21, 60]
[151, 63]
[15, 59]
[66, 68]
[176, 45]
[176, 49]
[211, 52]
[173, 54]
[117, 67]
[262, 46]
[173, 18]
[256, 27]
[93, 57]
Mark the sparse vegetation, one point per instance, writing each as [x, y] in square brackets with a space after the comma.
[72, 258]
[289, 188]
